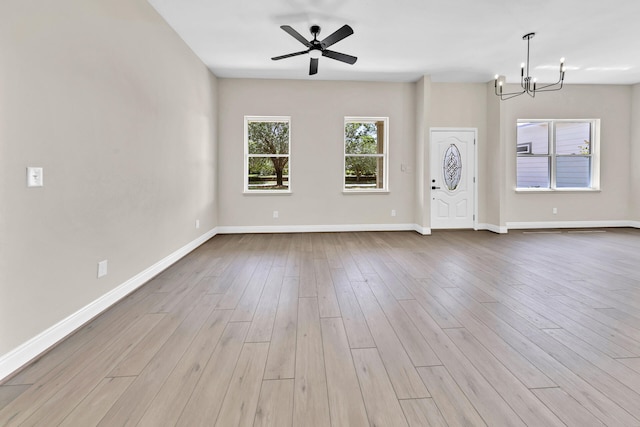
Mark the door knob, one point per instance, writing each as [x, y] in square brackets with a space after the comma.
[435, 188]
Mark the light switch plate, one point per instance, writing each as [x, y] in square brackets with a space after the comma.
[102, 268]
[35, 177]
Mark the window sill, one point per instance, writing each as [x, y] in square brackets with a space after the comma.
[365, 191]
[557, 190]
[267, 193]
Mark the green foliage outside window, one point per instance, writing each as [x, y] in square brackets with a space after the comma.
[361, 138]
[266, 138]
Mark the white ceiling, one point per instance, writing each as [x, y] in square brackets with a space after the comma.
[402, 40]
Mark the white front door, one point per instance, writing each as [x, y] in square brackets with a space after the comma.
[452, 178]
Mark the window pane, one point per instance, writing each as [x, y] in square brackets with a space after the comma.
[532, 172]
[573, 172]
[532, 138]
[573, 138]
[268, 137]
[365, 149]
[362, 172]
[268, 173]
[362, 138]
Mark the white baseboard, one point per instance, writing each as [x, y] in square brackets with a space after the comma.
[314, 228]
[568, 224]
[425, 231]
[23, 354]
[492, 227]
[634, 224]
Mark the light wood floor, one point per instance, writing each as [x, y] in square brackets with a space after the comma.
[355, 329]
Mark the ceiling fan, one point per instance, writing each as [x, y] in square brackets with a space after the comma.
[318, 48]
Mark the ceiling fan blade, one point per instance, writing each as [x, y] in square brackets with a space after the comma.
[339, 56]
[296, 35]
[338, 35]
[289, 55]
[313, 66]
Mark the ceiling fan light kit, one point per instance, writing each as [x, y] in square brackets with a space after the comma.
[529, 84]
[317, 48]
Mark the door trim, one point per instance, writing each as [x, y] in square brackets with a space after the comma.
[427, 180]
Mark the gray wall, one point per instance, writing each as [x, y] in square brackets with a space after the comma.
[317, 151]
[611, 104]
[634, 158]
[122, 116]
[494, 161]
[421, 214]
[317, 110]
[464, 105]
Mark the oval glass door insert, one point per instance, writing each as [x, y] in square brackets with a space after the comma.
[452, 167]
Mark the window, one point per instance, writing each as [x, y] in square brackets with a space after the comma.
[557, 154]
[267, 143]
[366, 153]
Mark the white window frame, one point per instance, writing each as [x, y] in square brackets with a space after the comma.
[384, 155]
[594, 154]
[247, 119]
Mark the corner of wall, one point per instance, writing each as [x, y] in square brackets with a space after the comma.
[634, 196]
[146, 152]
[493, 200]
[423, 114]
[31, 349]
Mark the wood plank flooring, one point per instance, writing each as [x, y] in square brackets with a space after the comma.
[459, 328]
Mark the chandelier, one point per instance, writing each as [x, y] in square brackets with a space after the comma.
[528, 83]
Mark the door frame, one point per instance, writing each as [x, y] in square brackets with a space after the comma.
[427, 180]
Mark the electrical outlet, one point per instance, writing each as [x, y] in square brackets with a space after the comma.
[197, 223]
[102, 268]
[555, 211]
[393, 212]
[275, 214]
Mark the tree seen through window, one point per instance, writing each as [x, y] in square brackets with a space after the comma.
[267, 155]
[365, 154]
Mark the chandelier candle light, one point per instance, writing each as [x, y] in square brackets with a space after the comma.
[528, 83]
